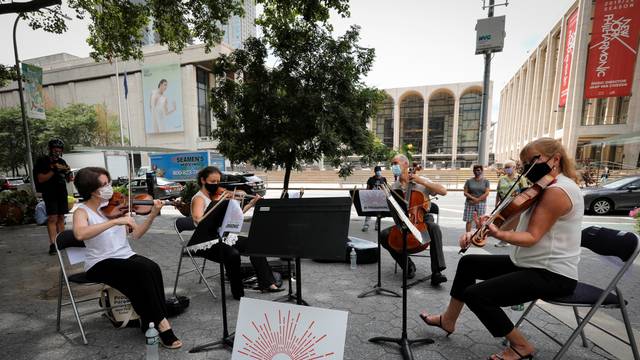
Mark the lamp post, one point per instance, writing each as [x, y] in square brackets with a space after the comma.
[25, 124]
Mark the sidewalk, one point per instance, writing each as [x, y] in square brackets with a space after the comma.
[29, 300]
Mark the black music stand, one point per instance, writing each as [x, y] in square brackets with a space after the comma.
[311, 228]
[207, 230]
[404, 341]
[377, 288]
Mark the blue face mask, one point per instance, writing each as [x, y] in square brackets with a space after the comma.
[396, 170]
[378, 173]
[509, 171]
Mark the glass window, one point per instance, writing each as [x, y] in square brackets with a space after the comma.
[411, 121]
[383, 122]
[204, 115]
[440, 131]
[622, 109]
[601, 110]
[469, 122]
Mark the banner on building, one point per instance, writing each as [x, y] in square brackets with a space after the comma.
[162, 92]
[569, 46]
[613, 49]
[33, 92]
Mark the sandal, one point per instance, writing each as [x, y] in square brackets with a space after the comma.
[521, 357]
[169, 340]
[425, 318]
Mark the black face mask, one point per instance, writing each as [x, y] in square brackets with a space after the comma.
[537, 172]
[211, 188]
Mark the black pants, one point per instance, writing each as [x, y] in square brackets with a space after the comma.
[139, 279]
[435, 248]
[231, 256]
[504, 284]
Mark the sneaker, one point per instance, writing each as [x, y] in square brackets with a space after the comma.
[52, 249]
[365, 227]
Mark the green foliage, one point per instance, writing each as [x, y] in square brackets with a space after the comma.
[408, 151]
[17, 207]
[377, 153]
[7, 74]
[312, 102]
[77, 124]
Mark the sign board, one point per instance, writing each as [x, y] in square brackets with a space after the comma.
[268, 330]
[184, 166]
[33, 92]
[490, 34]
[569, 46]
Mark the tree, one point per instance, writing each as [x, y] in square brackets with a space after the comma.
[312, 102]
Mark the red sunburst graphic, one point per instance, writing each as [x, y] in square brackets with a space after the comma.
[283, 343]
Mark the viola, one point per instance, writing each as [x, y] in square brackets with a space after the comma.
[417, 206]
[511, 208]
[118, 205]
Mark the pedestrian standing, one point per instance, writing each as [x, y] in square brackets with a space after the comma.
[476, 192]
[376, 182]
[505, 182]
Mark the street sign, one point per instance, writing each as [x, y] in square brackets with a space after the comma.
[490, 34]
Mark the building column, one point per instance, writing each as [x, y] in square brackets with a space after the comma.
[396, 124]
[425, 130]
[454, 131]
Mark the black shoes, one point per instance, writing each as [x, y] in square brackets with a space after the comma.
[411, 272]
[437, 279]
[52, 249]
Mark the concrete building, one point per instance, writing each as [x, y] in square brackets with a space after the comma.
[68, 79]
[592, 130]
[442, 122]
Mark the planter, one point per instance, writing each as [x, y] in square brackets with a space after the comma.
[11, 214]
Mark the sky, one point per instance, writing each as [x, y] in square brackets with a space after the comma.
[417, 42]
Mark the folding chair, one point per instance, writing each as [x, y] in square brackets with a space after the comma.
[606, 242]
[181, 225]
[434, 210]
[64, 241]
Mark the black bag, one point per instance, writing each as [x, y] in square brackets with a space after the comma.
[176, 305]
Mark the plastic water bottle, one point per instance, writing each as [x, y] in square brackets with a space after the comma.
[152, 342]
[354, 259]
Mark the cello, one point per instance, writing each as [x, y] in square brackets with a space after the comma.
[418, 205]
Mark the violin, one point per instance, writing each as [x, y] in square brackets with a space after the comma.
[118, 205]
[418, 205]
[510, 208]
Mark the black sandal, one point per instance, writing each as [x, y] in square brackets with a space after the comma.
[168, 339]
[526, 357]
[425, 318]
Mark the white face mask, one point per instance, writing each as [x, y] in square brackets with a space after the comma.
[105, 192]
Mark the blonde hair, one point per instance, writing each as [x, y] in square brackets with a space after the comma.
[510, 163]
[550, 147]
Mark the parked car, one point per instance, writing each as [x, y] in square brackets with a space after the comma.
[249, 183]
[10, 183]
[164, 188]
[622, 194]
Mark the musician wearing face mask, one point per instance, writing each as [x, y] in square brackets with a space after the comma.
[110, 259]
[544, 259]
[376, 182]
[52, 174]
[209, 192]
[400, 168]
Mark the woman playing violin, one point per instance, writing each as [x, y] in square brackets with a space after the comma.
[109, 258]
[400, 168]
[545, 256]
[208, 178]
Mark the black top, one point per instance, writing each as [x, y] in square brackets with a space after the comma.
[58, 182]
[375, 182]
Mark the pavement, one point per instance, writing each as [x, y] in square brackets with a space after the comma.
[29, 298]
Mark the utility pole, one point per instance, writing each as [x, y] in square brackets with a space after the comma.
[483, 153]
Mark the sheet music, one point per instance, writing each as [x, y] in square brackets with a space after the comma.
[233, 219]
[416, 233]
[295, 194]
[373, 201]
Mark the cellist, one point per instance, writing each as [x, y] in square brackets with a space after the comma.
[400, 168]
[545, 256]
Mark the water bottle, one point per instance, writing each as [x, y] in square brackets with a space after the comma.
[152, 342]
[354, 259]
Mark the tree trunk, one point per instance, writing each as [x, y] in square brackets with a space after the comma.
[287, 176]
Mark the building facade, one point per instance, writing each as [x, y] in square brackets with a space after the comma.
[592, 130]
[441, 122]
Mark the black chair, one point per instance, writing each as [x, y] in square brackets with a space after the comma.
[434, 211]
[181, 225]
[606, 242]
[64, 241]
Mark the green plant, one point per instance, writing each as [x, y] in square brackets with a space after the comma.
[123, 189]
[635, 213]
[17, 207]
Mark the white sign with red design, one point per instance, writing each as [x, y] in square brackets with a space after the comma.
[268, 330]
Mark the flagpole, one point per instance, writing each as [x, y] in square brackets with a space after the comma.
[119, 107]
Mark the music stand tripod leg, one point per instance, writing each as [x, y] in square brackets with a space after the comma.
[226, 341]
[378, 289]
[290, 296]
[403, 341]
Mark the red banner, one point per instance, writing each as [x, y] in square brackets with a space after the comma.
[569, 45]
[613, 49]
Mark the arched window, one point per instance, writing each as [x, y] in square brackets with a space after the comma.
[411, 120]
[469, 122]
[383, 122]
[440, 136]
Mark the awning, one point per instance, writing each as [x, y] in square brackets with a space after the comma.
[631, 138]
